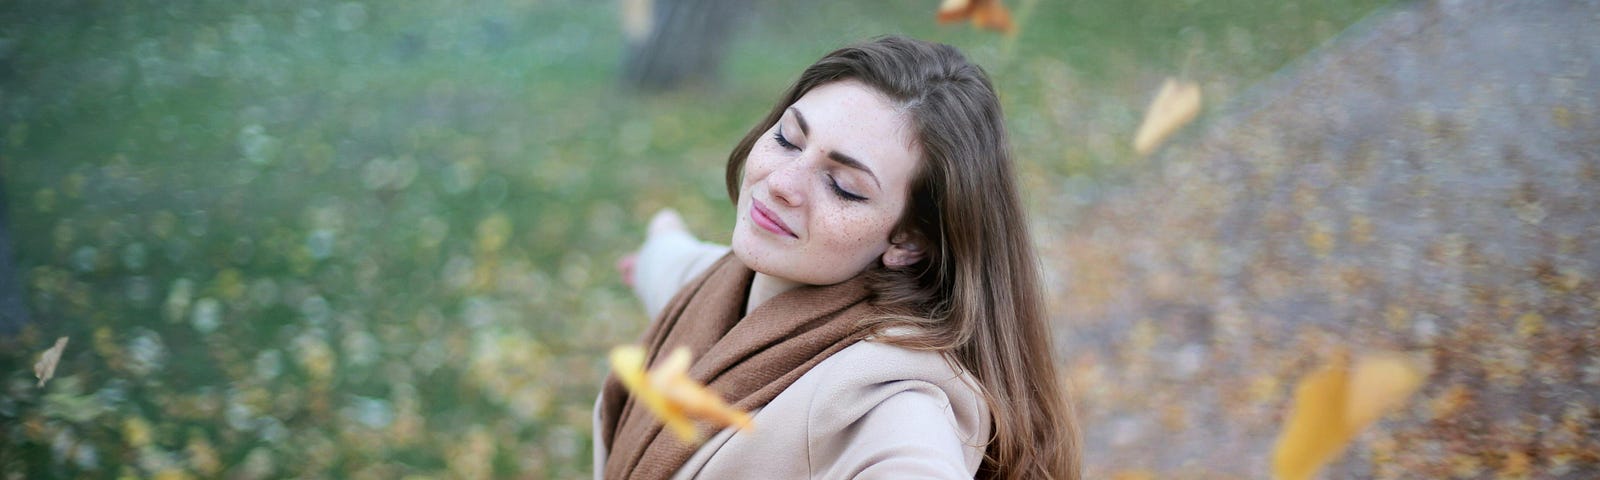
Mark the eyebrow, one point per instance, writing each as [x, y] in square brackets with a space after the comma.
[843, 159]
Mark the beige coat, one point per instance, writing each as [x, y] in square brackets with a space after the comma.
[872, 410]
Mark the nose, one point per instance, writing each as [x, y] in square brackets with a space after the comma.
[787, 183]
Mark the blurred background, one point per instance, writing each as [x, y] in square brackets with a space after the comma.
[376, 239]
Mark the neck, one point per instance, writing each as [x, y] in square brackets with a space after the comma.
[764, 287]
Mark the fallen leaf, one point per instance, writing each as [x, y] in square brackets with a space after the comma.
[1334, 403]
[1175, 105]
[669, 393]
[989, 14]
[46, 367]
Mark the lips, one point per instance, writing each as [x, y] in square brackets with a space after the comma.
[767, 220]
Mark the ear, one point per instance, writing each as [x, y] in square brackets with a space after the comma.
[905, 249]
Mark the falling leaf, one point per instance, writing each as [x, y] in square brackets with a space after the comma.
[668, 392]
[1315, 429]
[989, 14]
[1379, 384]
[1134, 475]
[1175, 105]
[1335, 403]
[46, 367]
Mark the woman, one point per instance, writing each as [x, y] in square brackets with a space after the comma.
[880, 309]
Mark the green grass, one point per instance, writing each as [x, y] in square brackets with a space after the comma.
[309, 239]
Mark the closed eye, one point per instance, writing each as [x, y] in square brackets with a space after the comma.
[833, 183]
[783, 142]
[842, 193]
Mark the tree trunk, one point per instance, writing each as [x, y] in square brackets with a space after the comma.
[682, 44]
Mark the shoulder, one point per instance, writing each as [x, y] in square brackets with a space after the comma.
[872, 364]
[863, 374]
[881, 407]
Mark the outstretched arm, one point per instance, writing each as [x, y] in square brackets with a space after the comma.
[669, 258]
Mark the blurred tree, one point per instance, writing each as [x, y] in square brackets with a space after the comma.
[673, 44]
[13, 315]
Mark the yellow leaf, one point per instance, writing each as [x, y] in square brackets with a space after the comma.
[1379, 384]
[668, 392]
[1134, 475]
[46, 367]
[1315, 429]
[1333, 404]
[1175, 105]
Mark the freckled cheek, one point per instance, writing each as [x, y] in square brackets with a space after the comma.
[753, 172]
[851, 231]
[758, 165]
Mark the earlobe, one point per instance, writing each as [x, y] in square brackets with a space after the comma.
[902, 254]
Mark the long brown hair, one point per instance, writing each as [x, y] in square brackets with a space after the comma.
[976, 294]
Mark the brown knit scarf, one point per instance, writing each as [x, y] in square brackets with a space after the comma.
[747, 359]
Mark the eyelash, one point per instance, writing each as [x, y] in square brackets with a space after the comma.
[784, 142]
[837, 190]
[842, 193]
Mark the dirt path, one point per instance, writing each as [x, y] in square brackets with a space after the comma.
[1430, 183]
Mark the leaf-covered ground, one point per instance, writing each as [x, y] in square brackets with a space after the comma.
[302, 239]
[1424, 184]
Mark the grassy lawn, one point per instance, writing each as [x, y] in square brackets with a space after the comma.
[303, 239]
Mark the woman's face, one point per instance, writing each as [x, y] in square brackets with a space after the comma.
[823, 188]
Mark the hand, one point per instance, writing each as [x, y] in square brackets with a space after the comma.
[664, 221]
[625, 267]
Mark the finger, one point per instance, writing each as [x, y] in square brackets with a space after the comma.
[626, 266]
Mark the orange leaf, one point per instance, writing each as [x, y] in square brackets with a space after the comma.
[669, 393]
[1175, 105]
[988, 14]
[1334, 403]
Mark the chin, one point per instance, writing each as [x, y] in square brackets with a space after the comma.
[757, 257]
[770, 256]
[799, 270]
